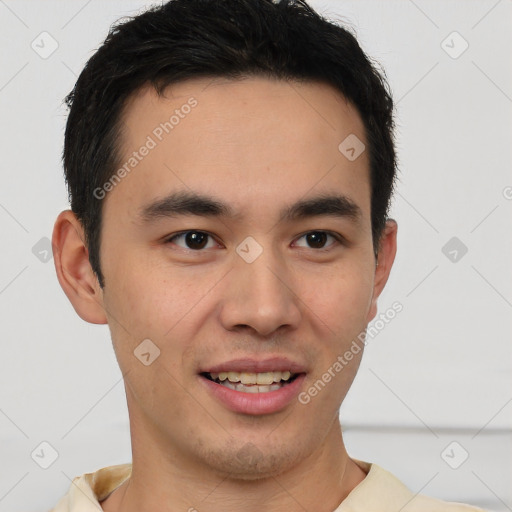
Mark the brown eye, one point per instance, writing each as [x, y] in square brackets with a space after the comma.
[194, 240]
[318, 239]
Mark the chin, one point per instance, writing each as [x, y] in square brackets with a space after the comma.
[249, 462]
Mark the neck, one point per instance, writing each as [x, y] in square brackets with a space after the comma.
[170, 483]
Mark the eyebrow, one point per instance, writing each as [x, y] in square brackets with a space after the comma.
[191, 203]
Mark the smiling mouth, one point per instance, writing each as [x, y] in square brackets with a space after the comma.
[246, 382]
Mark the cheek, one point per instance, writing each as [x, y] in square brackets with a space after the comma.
[340, 298]
[155, 302]
[338, 310]
[151, 306]
[149, 298]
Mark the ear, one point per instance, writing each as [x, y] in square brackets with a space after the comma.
[385, 259]
[74, 271]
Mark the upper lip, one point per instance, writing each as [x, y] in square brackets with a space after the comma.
[250, 365]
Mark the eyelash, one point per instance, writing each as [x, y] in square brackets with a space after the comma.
[339, 239]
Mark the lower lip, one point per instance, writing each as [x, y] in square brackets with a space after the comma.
[255, 403]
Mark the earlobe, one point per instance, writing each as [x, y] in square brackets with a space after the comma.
[74, 271]
[384, 263]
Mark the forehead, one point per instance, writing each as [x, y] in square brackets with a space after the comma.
[245, 140]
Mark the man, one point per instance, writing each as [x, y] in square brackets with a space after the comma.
[230, 166]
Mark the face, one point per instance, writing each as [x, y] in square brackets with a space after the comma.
[238, 241]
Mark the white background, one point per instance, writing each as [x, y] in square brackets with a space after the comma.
[439, 372]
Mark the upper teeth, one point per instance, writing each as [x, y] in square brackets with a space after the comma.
[265, 378]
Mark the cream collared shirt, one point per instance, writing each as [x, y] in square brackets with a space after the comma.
[380, 491]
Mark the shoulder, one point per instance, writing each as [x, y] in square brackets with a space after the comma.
[422, 503]
[86, 491]
[382, 491]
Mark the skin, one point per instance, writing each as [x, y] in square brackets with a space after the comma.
[258, 145]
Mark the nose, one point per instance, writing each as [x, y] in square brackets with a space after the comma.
[259, 296]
